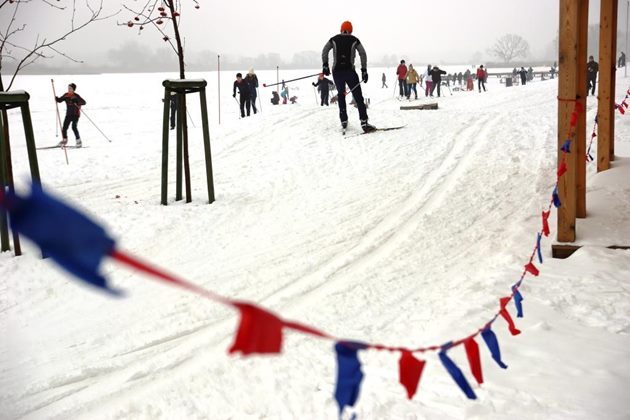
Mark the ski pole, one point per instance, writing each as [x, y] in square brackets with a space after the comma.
[190, 118]
[292, 80]
[348, 91]
[315, 92]
[259, 99]
[239, 106]
[52, 82]
[89, 119]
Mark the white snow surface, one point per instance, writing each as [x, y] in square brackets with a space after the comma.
[406, 237]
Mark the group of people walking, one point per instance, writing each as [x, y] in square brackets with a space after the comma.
[247, 91]
[432, 78]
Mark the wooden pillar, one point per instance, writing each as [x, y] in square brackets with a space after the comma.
[606, 99]
[567, 92]
[580, 138]
[614, 79]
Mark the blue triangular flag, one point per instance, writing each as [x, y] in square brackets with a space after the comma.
[518, 298]
[556, 197]
[596, 119]
[457, 375]
[493, 344]
[566, 147]
[71, 239]
[349, 375]
[540, 258]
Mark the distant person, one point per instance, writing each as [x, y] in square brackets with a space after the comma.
[412, 80]
[530, 74]
[275, 98]
[401, 72]
[244, 94]
[523, 74]
[428, 83]
[460, 77]
[482, 75]
[436, 78]
[293, 99]
[284, 93]
[552, 72]
[252, 83]
[323, 85]
[591, 75]
[74, 102]
[384, 79]
[622, 60]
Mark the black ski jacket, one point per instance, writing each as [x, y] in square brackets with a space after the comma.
[243, 89]
[436, 74]
[324, 84]
[591, 69]
[73, 103]
[344, 48]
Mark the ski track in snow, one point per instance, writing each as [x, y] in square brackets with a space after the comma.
[408, 237]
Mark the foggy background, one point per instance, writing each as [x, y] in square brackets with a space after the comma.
[291, 33]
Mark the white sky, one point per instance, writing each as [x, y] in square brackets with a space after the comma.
[437, 31]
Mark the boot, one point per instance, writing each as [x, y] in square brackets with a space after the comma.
[344, 124]
[79, 144]
[367, 127]
[63, 143]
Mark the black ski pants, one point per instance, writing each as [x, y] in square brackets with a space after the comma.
[350, 78]
[324, 95]
[74, 119]
[436, 85]
[590, 84]
[481, 83]
[402, 86]
[245, 102]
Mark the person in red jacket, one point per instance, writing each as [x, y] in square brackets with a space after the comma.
[73, 112]
[401, 72]
[482, 75]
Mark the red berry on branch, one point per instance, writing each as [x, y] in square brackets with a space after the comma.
[161, 9]
[165, 38]
[159, 22]
[136, 18]
[142, 27]
[130, 24]
[175, 14]
[163, 14]
[197, 7]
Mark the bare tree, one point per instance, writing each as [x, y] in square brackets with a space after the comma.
[23, 54]
[509, 47]
[158, 16]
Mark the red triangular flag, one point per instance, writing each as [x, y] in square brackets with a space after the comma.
[545, 222]
[506, 315]
[574, 118]
[410, 370]
[474, 361]
[531, 268]
[259, 331]
[620, 108]
[562, 169]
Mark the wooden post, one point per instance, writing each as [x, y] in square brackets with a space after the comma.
[613, 79]
[165, 125]
[606, 98]
[567, 92]
[179, 146]
[5, 244]
[206, 144]
[185, 150]
[580, 138]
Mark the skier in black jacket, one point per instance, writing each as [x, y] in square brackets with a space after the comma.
[323, 85]
[73, 112]
[244, 94]
[591, 75]
[344, 46]
[436, 77]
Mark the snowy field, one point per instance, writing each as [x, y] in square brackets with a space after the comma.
[405, 237]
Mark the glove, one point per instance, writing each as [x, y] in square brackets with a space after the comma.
[234, 95]
[313, 84]
[364, 75]
[326, 70]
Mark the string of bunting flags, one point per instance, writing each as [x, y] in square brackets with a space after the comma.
[79, 245]
[621, 107]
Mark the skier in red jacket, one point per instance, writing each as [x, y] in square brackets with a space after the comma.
[482, 75]
[401, 72]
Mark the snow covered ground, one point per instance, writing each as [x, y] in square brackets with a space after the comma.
[405, 237]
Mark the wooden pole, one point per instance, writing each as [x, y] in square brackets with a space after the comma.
[9, 175]
[580, 138]
[613, 78]
[567, 92]
[186, 159]
[219, 84]
[5, 244]
[179, 147]
[165, 125]
[606, 99]
[206, 144]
